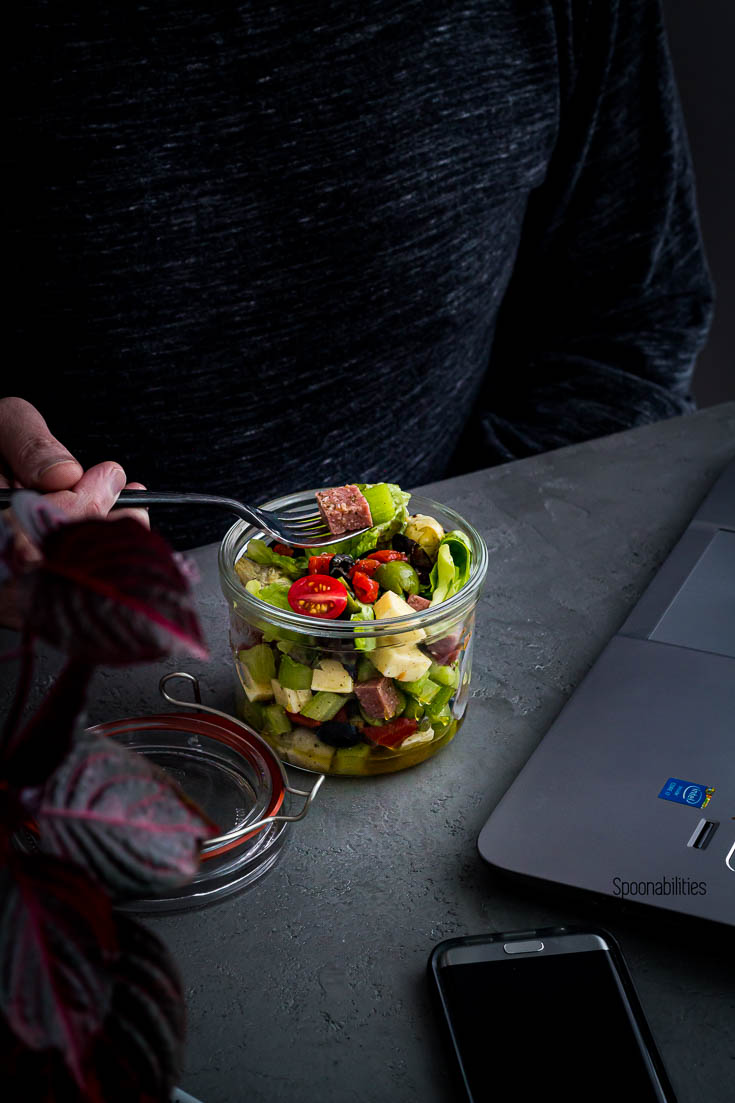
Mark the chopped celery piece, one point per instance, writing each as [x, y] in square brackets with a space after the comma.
[259, 661]
[414, 710]
[429, 693]
[380, 500]
[303, 655]
[444, 675]
[271, 634]
[373, 721]
[415, 688]
[294, 675]
[365, 669]
[423, 689]
[252, 713]
[275, 721]
[363, 643]
[351, 760]
[443, 721]
[440, 699]
[254, 587]
[323, 706]
[366, 612]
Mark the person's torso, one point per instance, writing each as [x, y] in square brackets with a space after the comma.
[289, 225]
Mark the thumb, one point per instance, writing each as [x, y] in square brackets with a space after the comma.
[34, 456]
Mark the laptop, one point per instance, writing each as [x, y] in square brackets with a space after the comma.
[631, 793]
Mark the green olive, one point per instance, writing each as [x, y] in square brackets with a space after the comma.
[397, 576]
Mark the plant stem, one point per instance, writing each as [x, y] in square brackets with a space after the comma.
[21, 689]
[35, 750]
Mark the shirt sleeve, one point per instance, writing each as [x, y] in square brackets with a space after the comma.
[610, 299]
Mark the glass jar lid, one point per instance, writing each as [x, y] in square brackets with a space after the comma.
[234, 776]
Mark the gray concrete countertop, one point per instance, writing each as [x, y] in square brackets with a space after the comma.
[311, 984]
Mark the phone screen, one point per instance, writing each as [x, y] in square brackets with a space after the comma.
[559, 1023]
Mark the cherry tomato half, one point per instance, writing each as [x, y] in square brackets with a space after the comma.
[282, 549]
[319, 564]
[317, 595]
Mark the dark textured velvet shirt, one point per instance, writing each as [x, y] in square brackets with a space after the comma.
[265, 246]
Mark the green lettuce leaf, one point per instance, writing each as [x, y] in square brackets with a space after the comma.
[275, 593]
[364, 643]
[294, 566]
[451, 570]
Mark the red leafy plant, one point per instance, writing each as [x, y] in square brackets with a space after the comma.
[91, 1007]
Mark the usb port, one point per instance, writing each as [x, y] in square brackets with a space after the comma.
[702, 833]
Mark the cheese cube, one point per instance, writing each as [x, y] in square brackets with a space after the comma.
[255, 691]
[405, 664]
[292, 700]
[331, 676]
[391, 605]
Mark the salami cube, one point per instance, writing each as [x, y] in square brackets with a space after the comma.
[378, 698]
[344, 509]
[446, 650]
[417, 602]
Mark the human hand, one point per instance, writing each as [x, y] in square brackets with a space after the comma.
[32, 458]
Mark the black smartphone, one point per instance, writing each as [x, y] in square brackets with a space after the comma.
[553, 1010]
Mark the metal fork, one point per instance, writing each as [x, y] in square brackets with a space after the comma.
[300, 525]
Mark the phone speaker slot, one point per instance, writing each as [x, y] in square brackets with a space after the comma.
[702, 834]
[531, 946]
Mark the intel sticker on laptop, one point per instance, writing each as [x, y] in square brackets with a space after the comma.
[685, 792]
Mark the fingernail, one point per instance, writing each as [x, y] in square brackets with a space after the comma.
[118, 478]
[53, 464]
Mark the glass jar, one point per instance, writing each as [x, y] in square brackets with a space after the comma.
[427, 654]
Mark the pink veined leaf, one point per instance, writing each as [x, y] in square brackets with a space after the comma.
[119, 815]
[44, 1076]
[36, 515]
[136, 1052]
[29, 755]
[188, 567]
[112, 593]
[22, 687]
[139, 1052]
[57, 941]
[7, 540]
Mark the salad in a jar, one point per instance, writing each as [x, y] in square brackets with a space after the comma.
[357, 702]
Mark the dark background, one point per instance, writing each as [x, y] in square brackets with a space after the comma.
[702, 37]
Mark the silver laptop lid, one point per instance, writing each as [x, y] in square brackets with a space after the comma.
[633, 787]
